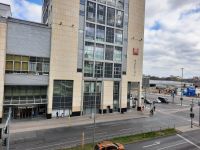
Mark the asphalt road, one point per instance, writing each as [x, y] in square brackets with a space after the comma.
[185, 141]
[167, 115]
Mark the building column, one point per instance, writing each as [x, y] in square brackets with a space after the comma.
[107, 99]
[3, 28]
[123, 95]
[50, 100]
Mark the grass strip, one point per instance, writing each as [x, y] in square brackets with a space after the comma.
[132, 138]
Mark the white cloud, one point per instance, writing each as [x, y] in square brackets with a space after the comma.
[177, 43]
[24, 9]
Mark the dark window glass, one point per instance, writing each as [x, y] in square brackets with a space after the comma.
[89, 50]
[100, 33]
[120, 4]
[108, 70]
[90, 95]
[88, 69]
[102, 1]
[117, 70]
[98, 69]
[110, 35]
[62, 94]
[111, 16]
[91, 10]
[90, 31]
[109, 52]
[101, 14]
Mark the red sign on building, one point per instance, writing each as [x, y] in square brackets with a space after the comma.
[135, 51]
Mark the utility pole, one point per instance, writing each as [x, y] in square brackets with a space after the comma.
[191, 113]
[95, 105]
[199, 111]
[182, 88]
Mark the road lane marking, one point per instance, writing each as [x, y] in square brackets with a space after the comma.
[156, 143]
[172, 145]
[187, 140]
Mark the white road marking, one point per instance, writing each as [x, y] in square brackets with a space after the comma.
[156, 143]
[172, 145]
[188, 141]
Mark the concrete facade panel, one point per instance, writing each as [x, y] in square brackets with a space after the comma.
[29, 40]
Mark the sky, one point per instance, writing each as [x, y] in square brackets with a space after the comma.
[172, 34]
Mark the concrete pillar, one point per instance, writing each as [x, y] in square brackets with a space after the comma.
[3, 28]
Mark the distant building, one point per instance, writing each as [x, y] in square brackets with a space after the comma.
[5, 10]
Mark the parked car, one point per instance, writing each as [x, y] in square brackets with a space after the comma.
[108, 145]
[146, 101]
[157, 101]
[163, 100]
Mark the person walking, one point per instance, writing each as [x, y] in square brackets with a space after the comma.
[57, 115]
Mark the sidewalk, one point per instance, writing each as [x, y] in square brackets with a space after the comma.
[17, 127]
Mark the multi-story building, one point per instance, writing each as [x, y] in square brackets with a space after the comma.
[85, 51]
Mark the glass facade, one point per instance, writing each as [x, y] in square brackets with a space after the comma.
[104, 28]
[27, 64]
[116, 87]
[62, 94]
[25, 95]
[92, 89]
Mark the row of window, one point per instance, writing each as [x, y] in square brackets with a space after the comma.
[99, 52]
[114, 17]
[26, 64]
[104, 34]
[102, 70]
[115, 3]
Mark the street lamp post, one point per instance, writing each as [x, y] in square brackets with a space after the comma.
[182, 88]
[95, 104]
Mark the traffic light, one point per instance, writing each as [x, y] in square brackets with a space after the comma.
[191, 109]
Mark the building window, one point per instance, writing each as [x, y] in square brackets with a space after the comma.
[109, 53]
[108, 70]
[92, 90]
[102, 1]
[91, 10]
[88, 68]
[101, 14]
[99, 52]
[116, 95]
[117, 70]
[119, 19]
[110, 35]
[110, 16]
[89, 50]
[62, 94]
[120, 4]
[118, 54]
[119, 37]
[100, 33]
[98, 69]
[25, 94]
[90, 31]
[111, 2]
[26, 64]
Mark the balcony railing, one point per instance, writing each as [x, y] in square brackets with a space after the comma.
[27, 100]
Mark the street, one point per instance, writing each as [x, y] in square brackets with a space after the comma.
[166, 116]
[185, 141]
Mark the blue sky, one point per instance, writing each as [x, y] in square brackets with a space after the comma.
[172, 34]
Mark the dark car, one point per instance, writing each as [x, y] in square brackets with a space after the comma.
[146, 101]
[163, 100]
